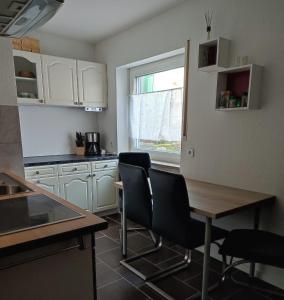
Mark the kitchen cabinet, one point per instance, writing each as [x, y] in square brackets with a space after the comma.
[77, 189]
[92, 84]
[59, 80]
[104, 192]
[50, 184]
[29, 89]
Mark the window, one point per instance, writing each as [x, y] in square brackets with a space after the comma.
[156, 109]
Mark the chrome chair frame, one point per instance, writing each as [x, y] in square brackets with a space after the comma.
[227, 273]
[159, 274]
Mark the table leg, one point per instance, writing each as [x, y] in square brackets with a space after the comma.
[124, 228]
[206, 260]
[94, 265]
[255, 226]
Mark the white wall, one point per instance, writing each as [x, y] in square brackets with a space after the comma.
[51, 130]
[241, 149]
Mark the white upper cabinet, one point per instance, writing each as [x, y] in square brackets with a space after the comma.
[28, 73]
[59, 80]
[92, 84]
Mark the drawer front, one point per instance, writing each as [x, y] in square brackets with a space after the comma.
[102, 165]
[68, 169]
[42, 171]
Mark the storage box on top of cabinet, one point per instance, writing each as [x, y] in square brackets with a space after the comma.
[239, 81]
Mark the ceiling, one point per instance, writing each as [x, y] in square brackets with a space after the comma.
[95, 20]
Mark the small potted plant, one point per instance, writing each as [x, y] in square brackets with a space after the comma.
[80, 144]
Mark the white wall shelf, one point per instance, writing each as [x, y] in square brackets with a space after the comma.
[214, 55]
[239, 80]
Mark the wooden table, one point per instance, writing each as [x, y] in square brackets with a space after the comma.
[214, 201]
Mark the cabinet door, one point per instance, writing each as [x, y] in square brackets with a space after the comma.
[77, 189]
[104, 192]
[59, 80]
[28, 61]
[50, 184]
[92, 84]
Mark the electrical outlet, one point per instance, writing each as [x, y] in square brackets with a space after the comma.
[191, 152]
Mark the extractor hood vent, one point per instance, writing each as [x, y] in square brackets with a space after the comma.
[17, 18]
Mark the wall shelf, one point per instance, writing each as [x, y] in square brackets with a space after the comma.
[214, 55]
[26, 79]
[239, 80]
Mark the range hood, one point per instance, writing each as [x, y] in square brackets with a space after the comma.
[17, 18]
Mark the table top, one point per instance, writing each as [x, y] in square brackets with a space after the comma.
[216, 201]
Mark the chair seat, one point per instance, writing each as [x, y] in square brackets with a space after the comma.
[256, 246]
[196, 236]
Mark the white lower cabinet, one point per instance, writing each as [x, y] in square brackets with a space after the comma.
[50, 184]
[104, 192]
[87, 185]
[77, 189]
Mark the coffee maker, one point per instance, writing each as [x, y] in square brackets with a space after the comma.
[92, 144]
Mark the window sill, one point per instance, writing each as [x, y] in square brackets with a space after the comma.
[165, 164]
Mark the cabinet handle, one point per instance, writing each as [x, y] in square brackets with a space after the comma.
[76, 103]
[89, 176]
[38, 181]
[74, 169]
[105, 166]
[94, 175]
[41, 101]
[37, 172]
[81, 103]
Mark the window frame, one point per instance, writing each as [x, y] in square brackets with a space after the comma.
[147, 69]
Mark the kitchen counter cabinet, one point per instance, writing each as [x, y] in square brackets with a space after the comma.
[55, 261]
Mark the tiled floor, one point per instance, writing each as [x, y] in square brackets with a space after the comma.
[116, 282]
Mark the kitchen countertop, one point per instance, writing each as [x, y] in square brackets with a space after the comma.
[64, 159]
[34, 237]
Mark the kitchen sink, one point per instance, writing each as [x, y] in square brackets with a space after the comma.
[10, 186]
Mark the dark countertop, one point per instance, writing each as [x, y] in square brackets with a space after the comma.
[64, 159]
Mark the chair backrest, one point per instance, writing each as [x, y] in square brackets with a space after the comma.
[171, 211]
[137, 195]
[140, 159]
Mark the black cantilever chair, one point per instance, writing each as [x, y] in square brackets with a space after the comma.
[172, 219]
[138, 205]
[252, 246]
[140, 159]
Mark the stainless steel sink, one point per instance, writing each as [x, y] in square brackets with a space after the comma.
[10, 186]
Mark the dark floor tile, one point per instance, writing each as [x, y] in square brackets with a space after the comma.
[196, 282]
[113, 257]
[247, 294]
[111, 222]
[105, 244]
[151, 293]
[161, 255]
[113, 232]
[193, 269]
[99, 234]
[216, 265]
[144, 266]
[138, 242]
[115, 217]
[129, 276]
[224, 290]
[105, 275]
[120, 290]
[175, 288]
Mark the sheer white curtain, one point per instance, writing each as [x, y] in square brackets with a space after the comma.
[156, 116]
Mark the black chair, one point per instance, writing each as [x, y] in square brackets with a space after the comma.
[138, 205]
[172, 219]
[252, 246]
[140, 159]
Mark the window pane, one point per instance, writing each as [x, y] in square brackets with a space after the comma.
[161, 81]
